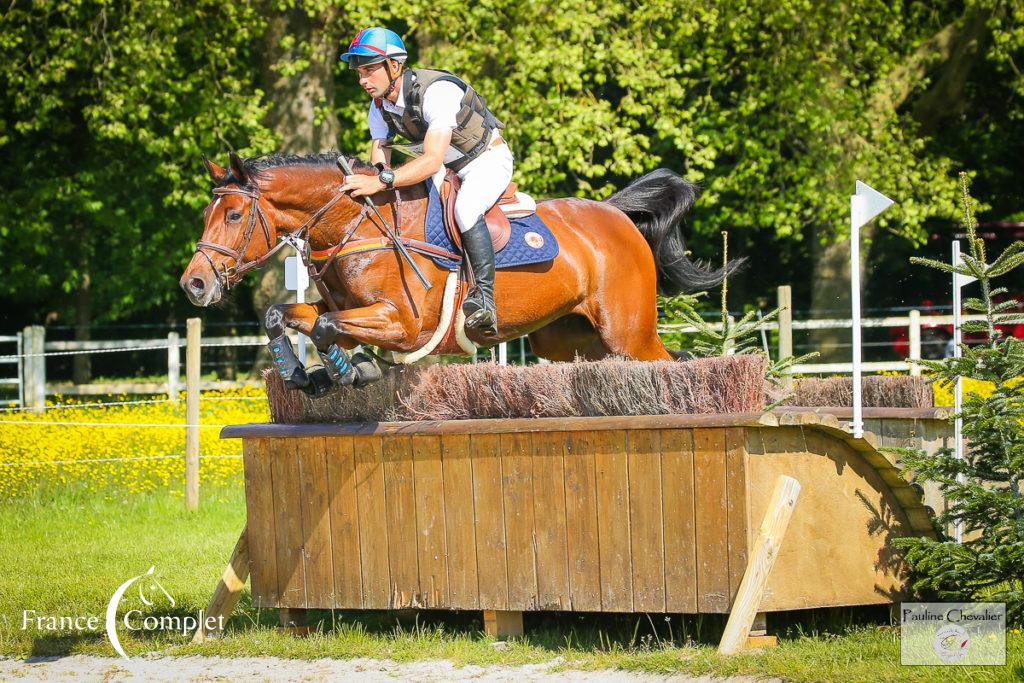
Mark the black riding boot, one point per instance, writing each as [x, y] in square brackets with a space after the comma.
[479, 305]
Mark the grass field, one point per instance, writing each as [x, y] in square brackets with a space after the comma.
[64, 554]
[77, 519]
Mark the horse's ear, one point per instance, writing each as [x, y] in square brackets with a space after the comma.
[217, 174]
[238, 169]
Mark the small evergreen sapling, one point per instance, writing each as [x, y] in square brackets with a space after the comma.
[983, 491]
[735, 336]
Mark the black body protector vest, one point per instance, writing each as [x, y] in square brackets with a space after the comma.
[474, 123]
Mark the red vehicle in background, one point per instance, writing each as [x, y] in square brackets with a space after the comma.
[937, 340]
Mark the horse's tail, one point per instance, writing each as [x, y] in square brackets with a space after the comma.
[656, 203]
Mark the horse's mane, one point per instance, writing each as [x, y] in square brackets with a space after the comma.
[255, 166]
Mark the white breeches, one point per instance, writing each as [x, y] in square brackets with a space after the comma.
[483, 181]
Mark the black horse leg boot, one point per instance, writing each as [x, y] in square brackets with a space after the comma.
[338, 366]
[479, 305]
[288, 364]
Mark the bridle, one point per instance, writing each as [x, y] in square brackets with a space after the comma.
[230, 274]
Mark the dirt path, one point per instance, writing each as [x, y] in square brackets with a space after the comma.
[150, 669]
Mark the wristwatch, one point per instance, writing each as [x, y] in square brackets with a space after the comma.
[387, 176]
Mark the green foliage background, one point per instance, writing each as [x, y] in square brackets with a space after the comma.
[774, 106]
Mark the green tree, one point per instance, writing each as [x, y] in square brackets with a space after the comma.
[984, 491]
[105, 108]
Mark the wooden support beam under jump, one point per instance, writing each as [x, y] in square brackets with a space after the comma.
[228, 590]
[759, 567]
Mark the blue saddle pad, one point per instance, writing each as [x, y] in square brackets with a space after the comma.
[530, 242]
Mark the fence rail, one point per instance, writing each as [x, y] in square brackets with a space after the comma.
[32, 350]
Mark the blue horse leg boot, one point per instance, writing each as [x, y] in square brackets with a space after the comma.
[288, 363]
[338, 366]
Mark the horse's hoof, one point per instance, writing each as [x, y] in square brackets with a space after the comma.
[367, 371]
[320, 382]
[297, 380]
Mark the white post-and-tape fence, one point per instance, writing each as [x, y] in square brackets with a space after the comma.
[32, 350]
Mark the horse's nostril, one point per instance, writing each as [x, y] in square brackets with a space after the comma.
[197, 284]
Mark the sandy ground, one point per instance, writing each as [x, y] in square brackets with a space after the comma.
[158, 668]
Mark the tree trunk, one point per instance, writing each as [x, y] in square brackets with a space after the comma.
[302, 102]
[948, 57]
[82, 363]
[830, 295]
[302, 111]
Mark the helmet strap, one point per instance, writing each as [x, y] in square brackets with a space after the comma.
[392, 77]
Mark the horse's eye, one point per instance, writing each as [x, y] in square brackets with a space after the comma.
[234, 216]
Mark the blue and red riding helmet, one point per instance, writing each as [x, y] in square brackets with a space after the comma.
[373, 45]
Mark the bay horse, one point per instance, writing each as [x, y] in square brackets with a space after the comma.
[595, 299]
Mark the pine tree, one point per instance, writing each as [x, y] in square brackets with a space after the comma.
[983, 491]
[734, 336]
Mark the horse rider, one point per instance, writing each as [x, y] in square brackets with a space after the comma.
[456, 129]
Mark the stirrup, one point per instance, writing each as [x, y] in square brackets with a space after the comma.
[480, 316]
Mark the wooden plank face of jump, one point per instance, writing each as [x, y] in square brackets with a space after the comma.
[400, 491]
[711, 503]
[430, 521]
[291, 582]
[549, 513]
[517, 490]
[739, 505]
[341, 498]
[373, 526]
[680, 539]
[581, 521]
[460, 531]
[316, 522]
[611, 463]
[490, 521]
[259, 504]
[646, 534]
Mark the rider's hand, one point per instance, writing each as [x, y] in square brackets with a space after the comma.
[360, 185]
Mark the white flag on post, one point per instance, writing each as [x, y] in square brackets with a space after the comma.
[870, 202]
[865, 204]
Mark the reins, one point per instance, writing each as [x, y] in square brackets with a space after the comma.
[230, 274]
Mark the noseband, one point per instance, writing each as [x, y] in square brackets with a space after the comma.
[232, 272]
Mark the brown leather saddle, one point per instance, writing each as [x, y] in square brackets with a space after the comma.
[497, 222]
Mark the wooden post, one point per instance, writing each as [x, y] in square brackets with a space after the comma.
[28, 387]
[503, 624]
[293, 620]
[228, 590]
[914, 335]
[21, 369]
[192, 381]
[173, 365]
[785, 304]
[35, 368]
[759, 566]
